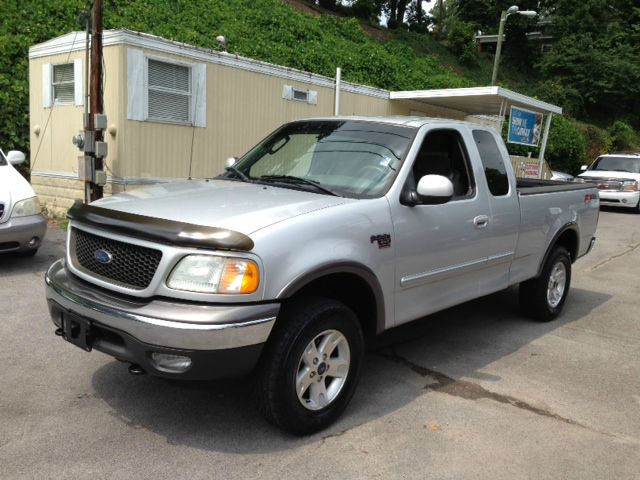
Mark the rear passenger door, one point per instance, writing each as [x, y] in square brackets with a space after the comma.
[504, 207]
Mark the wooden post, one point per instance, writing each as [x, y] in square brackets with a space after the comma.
[96, 104]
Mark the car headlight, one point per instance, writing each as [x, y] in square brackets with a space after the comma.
[579, 180]
[629, 186]
[26, 207]
[214, 274]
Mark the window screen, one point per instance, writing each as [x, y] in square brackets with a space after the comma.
[63, 86]
[169, 91]
[494, 169]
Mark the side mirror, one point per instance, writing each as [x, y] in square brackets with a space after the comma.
[15, 157]
[431, 190]
[230, 162]
[583, 168]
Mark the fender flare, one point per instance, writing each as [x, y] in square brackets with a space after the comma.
[354, 268]
[573, 226]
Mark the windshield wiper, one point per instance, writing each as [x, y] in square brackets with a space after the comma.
[305, 181]
[242, 176]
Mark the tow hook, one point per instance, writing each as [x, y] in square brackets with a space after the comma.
[135, 369]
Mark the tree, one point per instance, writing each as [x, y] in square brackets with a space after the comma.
[395, 10]
[597, 52]
[418, 18]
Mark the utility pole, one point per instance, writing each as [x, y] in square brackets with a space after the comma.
[91, 140]
[94, 125]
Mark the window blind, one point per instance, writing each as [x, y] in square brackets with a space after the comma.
[169, 91]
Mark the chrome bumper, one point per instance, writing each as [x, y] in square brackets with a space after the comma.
[164, 323]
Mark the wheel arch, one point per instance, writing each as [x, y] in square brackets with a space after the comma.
[567, 237]
[353, 284]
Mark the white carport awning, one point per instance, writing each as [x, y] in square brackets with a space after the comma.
[477, 100]
[484, 101]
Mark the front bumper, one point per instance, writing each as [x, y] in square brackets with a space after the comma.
[22, 234]
[619, 199]
[221, 340]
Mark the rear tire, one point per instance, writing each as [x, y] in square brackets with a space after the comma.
[311, 365]
[543, 297]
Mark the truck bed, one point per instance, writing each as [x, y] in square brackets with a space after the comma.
[534, 186]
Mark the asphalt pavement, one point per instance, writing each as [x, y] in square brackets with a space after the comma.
[477, 391]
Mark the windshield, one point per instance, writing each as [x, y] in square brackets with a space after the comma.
[618, 164]
[345, 158]
[3, 160]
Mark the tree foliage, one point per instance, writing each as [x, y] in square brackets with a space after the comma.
[597, 53]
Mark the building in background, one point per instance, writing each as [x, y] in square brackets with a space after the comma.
[176, 111]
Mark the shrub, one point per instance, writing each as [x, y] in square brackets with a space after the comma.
[567, 147]
[598, 140]
[623, 136]
[461, 41]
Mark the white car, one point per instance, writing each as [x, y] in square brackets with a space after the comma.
[561, 176]
[617, 176]
[22, 225]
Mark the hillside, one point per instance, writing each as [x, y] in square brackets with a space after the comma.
[286, 33]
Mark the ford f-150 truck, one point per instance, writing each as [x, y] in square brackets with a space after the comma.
[326, 232]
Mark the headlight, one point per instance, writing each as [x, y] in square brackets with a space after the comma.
[28, 206]
[579, 180]
[629, 186]
[213, 274]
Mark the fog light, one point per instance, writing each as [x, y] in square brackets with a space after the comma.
[33, 242]
[168, 362]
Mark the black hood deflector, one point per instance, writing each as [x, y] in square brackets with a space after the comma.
[168, 232]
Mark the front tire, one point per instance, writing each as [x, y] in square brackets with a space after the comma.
[543, 297]
[311, 365]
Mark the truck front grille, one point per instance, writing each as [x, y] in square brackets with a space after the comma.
[1, 210]
[113, 261]
[611, 184]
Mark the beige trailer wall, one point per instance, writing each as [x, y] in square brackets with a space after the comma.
[242, 107]
[54, 159]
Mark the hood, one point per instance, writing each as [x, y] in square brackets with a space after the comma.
[233, 205]
[609, 174]
[13, 188]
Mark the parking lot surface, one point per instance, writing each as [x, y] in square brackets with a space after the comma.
[477, 391]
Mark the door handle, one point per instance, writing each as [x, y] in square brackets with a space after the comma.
[481, 221]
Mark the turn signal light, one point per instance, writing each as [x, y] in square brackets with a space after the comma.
[239, 277]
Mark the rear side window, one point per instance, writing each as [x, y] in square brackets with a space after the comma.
[494, 169]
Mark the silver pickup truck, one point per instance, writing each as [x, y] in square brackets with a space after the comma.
[328, 231]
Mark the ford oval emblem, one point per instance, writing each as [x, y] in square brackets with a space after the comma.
[102, 256]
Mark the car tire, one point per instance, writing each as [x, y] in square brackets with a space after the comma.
[543, 297]
[311, 365]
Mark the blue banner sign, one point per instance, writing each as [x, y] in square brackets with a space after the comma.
[524, 127]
